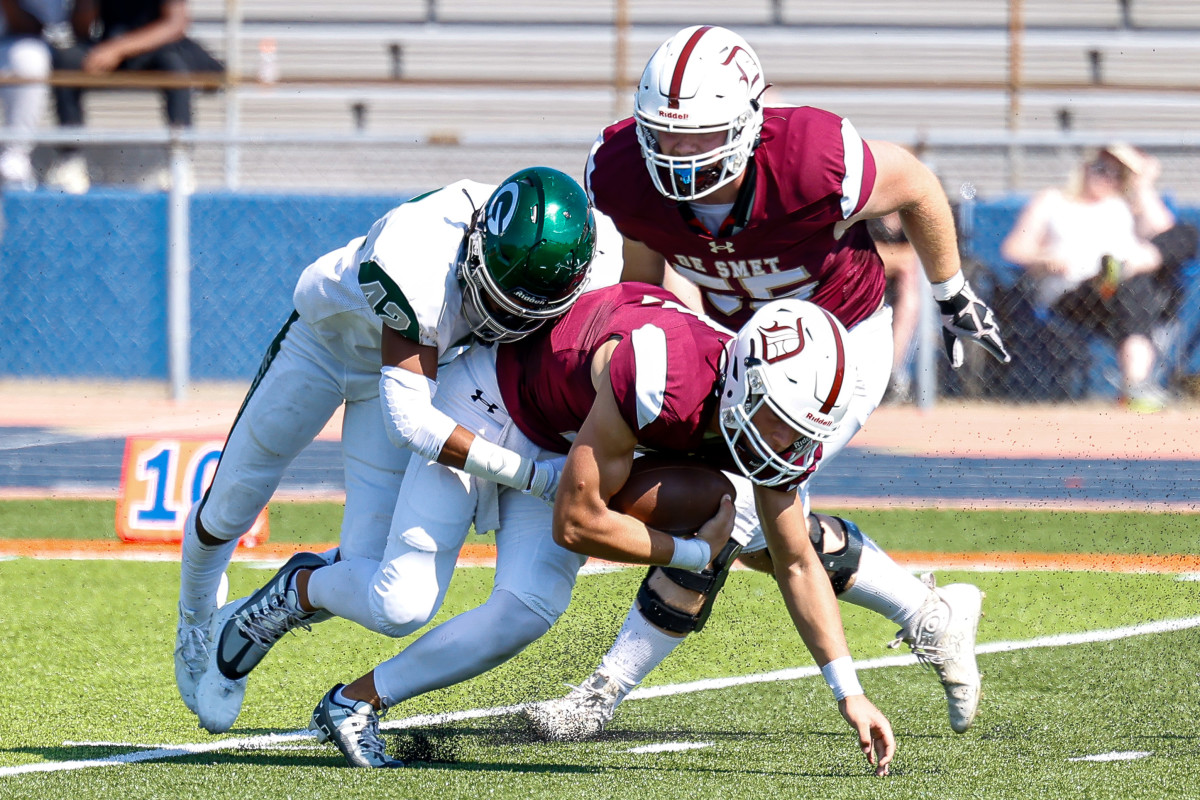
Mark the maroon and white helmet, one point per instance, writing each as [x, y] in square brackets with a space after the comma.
[703, 79]
[791, 357]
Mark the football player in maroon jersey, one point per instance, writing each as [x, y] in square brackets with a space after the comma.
[629, 367]
[731, 204]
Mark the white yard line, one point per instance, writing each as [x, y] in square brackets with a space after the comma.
[1125, 755]
[669, 747]
[290, 738]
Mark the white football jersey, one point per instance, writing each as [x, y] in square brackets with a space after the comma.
[402, 274]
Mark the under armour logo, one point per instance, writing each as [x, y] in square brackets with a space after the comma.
[718, 247]
[478, 396]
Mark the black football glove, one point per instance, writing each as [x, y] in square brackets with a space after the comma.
[965, 316]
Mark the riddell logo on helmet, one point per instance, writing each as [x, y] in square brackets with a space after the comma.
[669, 114]
[824, 422]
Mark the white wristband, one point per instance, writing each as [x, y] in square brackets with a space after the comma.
[842, 678]
[948, 288]
[690, 554]
[499, 464]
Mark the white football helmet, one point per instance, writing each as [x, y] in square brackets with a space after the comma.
[791, 357]
[703, 79]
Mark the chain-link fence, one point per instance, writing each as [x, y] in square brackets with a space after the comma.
[247, 247]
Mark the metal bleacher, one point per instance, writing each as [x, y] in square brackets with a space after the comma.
[472, 82]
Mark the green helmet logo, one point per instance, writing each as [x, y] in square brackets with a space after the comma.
[528, 254]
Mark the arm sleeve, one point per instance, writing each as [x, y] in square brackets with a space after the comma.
[410, 418]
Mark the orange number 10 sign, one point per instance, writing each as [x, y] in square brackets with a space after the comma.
[160, 481]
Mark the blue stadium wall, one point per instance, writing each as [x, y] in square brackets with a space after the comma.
[84, 277]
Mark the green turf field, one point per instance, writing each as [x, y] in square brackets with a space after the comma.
[86, 675]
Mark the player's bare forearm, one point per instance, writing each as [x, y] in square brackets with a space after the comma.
[904, 184]
[687, 292]
[641, 263]
[597, 467]
[802, 580]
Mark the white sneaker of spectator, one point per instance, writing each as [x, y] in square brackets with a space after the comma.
[16, 172]
[69, 174]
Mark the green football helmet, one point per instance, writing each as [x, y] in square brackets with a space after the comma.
[527, 254]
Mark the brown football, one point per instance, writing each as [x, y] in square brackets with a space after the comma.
[674, 495]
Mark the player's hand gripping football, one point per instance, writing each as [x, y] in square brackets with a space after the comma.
[874, 731]
[965, 316]
[716, 532]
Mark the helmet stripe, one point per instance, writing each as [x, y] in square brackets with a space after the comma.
[840, 371]
[677, 77]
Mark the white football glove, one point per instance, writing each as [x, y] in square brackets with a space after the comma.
[544, 481]
[965, 316]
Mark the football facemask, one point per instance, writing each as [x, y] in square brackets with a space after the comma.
[702, 80]
[790, 357]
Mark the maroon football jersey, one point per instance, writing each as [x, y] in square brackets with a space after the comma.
[811, 171]
[665, 372]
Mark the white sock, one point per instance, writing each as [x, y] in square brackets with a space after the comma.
[341, 699]
[886, 588]
[639, 648]
[342, 589]
[200, 572]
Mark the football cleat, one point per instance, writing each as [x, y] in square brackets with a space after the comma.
[191, 655]
[248, 635]
[944, 638]
[192, 645]
[582, 713]
[218, 698]
[354, 729]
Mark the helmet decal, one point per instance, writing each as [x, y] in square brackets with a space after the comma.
[677, 77]
[840, 369]
[749, 59]
[781, 341]
[502, 208]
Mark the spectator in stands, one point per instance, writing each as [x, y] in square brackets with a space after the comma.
[130, 35]
[1088, 249]
[902, 269]
[24, 54]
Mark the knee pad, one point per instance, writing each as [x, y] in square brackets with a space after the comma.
[842, 564]
[399, 611]
[708, 583]
[399, 616]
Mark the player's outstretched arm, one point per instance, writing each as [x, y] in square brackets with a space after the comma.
[904, 184]
[810, 601]
[875, 736]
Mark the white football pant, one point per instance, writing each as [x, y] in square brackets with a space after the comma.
[870, 346]
[433, 514]
[297, 392]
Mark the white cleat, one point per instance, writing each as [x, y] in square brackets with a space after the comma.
[218, 698]
[944, 638]
[192, 642]
[191, 655]
[582, 713]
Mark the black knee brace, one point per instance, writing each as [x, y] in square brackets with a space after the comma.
[707, 582]
[843, 564]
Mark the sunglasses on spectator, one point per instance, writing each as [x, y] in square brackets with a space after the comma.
[1103, 169]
